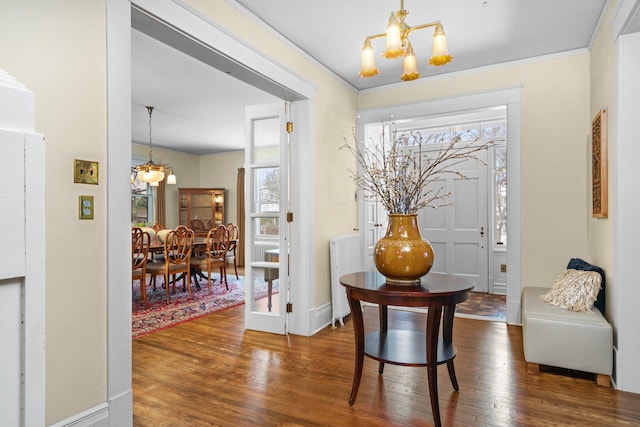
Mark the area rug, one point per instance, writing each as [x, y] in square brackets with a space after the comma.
[182, 308]
[483, 306]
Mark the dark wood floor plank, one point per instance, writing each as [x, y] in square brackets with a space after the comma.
[210, 372]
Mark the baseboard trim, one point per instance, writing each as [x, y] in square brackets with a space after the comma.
[116, 413]
[320, 318]
[97, 416]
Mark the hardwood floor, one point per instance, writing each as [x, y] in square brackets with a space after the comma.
[210, 372]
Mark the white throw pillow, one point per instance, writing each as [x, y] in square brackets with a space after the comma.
[574, 290]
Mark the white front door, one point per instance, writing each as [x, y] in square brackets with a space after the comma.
[458, 233]
[266, 228]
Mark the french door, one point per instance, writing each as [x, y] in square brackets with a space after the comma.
[266, 227]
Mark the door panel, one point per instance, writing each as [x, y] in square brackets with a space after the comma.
[266, 253]
[458, 233]
[376, 227]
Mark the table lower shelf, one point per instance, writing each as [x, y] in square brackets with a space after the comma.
[406, 348]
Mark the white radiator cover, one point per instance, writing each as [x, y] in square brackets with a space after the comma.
[346, 257]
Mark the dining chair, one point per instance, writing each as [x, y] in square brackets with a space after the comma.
[140, 241]
[177, 259]
[214, 255]
[234, 239]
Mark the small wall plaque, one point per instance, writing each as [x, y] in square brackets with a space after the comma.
[599, 174]
[85, 172]
[86, 207]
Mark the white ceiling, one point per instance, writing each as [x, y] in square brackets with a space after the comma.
[199, 109]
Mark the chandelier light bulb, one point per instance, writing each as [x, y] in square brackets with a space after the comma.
[368, 68]
[394, 41]
[409, 65]
[440, 52]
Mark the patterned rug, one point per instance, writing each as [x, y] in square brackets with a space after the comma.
[483, 306]
[182, 308]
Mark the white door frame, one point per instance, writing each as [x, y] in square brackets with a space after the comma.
[258, 70]
[511, 98]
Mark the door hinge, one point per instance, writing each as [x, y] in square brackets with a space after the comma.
[289, 127]
[289, 216]
[289, 307]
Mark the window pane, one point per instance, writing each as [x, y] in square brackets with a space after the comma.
[139, 209]
[500, 196]
[494, 129]
[266, 141]
[266, 184]
[266, 284]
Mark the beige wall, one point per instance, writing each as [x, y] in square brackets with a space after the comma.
[186, 168]
[58, 51]
[555, 126]
[335, 112]
[221, 171]
[602, 91]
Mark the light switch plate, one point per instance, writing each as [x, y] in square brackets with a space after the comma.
[85, 207]
[85, 172]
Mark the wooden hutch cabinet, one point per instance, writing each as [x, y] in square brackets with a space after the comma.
[201, 208]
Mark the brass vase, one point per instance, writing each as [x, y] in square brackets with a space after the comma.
[402, 255]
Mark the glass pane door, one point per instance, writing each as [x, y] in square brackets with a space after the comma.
[265, 189]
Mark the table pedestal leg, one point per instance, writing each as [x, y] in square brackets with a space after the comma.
[433, 327]
[358, 328]
[447, 337]
[384, 324]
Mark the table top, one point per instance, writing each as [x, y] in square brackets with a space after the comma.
[157, 246]
[371, 286]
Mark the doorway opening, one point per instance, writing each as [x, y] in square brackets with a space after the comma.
[469, 236]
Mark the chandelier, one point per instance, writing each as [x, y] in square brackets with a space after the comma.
[398, 44]
[150, 172]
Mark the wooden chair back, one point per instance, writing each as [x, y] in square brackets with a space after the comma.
[218, 242]
[140, 241]
[234, 236]
[178, 246]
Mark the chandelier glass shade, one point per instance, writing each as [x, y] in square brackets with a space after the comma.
[150, 172]
[398, 44]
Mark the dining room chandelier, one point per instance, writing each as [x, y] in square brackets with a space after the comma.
[398, 44]
[151, 172]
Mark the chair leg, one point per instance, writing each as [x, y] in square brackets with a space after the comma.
[166, 285]
[143, 290]
[603, 380]
[235, 267]
[186, 279]
[223, 273]
[533, 368]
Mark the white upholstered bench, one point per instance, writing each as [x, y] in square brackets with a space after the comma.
[555, 336]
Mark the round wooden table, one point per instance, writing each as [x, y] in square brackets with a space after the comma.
[401, 347]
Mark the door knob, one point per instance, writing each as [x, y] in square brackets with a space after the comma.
[481, 231]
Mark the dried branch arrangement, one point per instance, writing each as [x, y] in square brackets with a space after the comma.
[399, 170]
